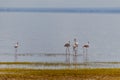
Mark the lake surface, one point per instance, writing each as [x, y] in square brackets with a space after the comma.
[58, 57]
[80, 60]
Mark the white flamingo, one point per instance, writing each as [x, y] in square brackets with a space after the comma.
[75, 46]
[75, 49]
[16, 46]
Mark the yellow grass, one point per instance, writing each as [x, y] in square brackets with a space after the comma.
[60, 74]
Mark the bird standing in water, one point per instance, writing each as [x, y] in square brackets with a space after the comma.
[85, 51]
[67, 45]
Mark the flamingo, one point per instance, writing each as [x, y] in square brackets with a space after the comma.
[67, 45]
[75, 48]
[85, 51]
[86, 45]
[16, 46]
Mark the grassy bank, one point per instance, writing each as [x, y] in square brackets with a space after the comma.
[62, 74]
[39, 63]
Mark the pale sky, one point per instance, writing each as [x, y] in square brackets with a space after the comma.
[59, 3]
[48, 32]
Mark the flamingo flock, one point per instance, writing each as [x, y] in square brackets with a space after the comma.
[75, 50]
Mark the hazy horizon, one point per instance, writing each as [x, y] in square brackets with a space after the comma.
[48, 32]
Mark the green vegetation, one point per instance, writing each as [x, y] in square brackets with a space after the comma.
[38, 63]
[58, 63]
[60, 74]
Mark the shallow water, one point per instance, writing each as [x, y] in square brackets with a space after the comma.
[58, 57]
[55, 58]
[71, 66]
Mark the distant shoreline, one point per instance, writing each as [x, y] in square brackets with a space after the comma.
[63, 10]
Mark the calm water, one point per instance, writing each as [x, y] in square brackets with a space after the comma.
[57, 58]
[50, 57]
[39, 66]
